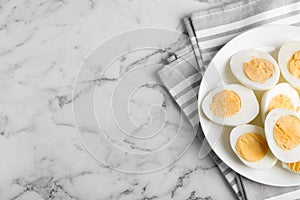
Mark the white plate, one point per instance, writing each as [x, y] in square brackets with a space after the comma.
[268, 38]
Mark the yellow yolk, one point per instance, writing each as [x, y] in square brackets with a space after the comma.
[294, 65]
[252, 147]
[294, 166]
[259, 70]
[287, 132]
[298, 109]
[225, 103]
[281, 101]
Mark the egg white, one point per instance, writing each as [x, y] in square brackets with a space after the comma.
[285, 53]
[249, 106]
[287, 156]
[237, 67]
[282, 88]
[265, 163]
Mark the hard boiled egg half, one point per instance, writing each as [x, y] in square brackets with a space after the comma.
[255, 69]
[249, 143]
[292, 167]
[282, 95]
[282, 128]
[231, 105]
[289, 62]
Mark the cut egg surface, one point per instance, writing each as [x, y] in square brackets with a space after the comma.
[282, 128]
[292, 167]
[282, 95]
[231, 105]
[249, 144]
[255, 69]
[289, 62]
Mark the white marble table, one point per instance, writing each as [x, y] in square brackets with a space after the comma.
[42, 46]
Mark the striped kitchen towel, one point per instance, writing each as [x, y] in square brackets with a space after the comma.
[209, 30]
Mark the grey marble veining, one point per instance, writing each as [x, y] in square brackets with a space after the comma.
[42, 46]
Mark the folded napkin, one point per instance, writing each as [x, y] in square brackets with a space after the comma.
[209, 30]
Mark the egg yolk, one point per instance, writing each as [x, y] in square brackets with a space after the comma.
[294, 166]
[225, 103]
[281, 101]
[294, 64]
[252, 147]
[259, 70]
[287, 132]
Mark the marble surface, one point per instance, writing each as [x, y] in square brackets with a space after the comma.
[51, 148]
